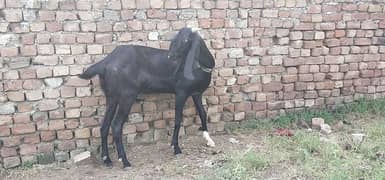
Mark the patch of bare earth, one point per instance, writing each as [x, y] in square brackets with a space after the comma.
[153, 161]
[305, 155]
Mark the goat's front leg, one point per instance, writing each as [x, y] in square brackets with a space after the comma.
[117, 126]
[109, 115]
[180, 101]
[202, 115]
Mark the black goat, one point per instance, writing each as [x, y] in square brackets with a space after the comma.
[184, 70]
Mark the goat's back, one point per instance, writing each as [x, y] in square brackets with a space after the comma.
[138, 68]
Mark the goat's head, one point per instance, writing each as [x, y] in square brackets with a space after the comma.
[189, 50]
[181, 44]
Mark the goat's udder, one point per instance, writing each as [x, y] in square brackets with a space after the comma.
[210, 141]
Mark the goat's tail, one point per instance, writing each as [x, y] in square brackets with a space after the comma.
[96, 69]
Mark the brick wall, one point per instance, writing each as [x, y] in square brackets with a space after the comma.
[272, 56]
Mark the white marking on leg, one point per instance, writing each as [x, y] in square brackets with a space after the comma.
[104, 158]
[120, 159]
[210, 142]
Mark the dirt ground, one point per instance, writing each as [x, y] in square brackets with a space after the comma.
[305, 155]
[153, 161]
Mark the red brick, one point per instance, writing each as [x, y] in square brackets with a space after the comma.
[292, 62]
[142, 127]
[332, 17]
[96, 132]
[51, 93]
[95, 49]
[217, 23]
[82, 143]
[305, 77]
[7, 152]
[45, 147]
[31, 138]
[103, 38]
[66, 145]
[34, 95]
[32, 84]
[46, 105]
[252, 88]
[56, 114]
[129, 129]
[325, 85]
[27, 149]
[46, 15]
[56, 124]
[352, 74]
[13, 85]
[349, 7]
[82, 133]
[304, 26]
[65, 15]
[28, 39]
[71, 124]
[28, 50]
[319, 76]
[9, 51]
[54, 26]
[259, 106]
[65, 134]
[76, 81]
[362, 41]
[273, 86]
[367, 73]
[5, 131]
[103, 27]
[23, 128]
[11, 141]
[160, 124]
[37, 26]
[243, 106]
[87, 122]
[12, 15]
[67, 91]
[21, 118]
[289, 78]
[274, 69]
[83, 5]
[24, 107]
[89, 101]
[16, 96]
[204, 23]
[27, 73]
[47, 136]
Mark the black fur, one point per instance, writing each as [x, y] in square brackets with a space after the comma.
[130, 70]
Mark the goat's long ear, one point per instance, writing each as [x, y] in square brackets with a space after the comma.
[192, 57]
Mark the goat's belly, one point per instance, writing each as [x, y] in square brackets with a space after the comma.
[158, 87]
[157, 90]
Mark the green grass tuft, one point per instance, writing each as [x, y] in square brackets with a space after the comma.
[360, 107]
[241, 165]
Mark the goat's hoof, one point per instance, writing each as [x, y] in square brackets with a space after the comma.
[126, 165]
[177, 150]
[107, 162]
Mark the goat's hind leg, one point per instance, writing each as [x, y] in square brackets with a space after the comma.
[202, 115]
[109, 115]
[117, 126]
